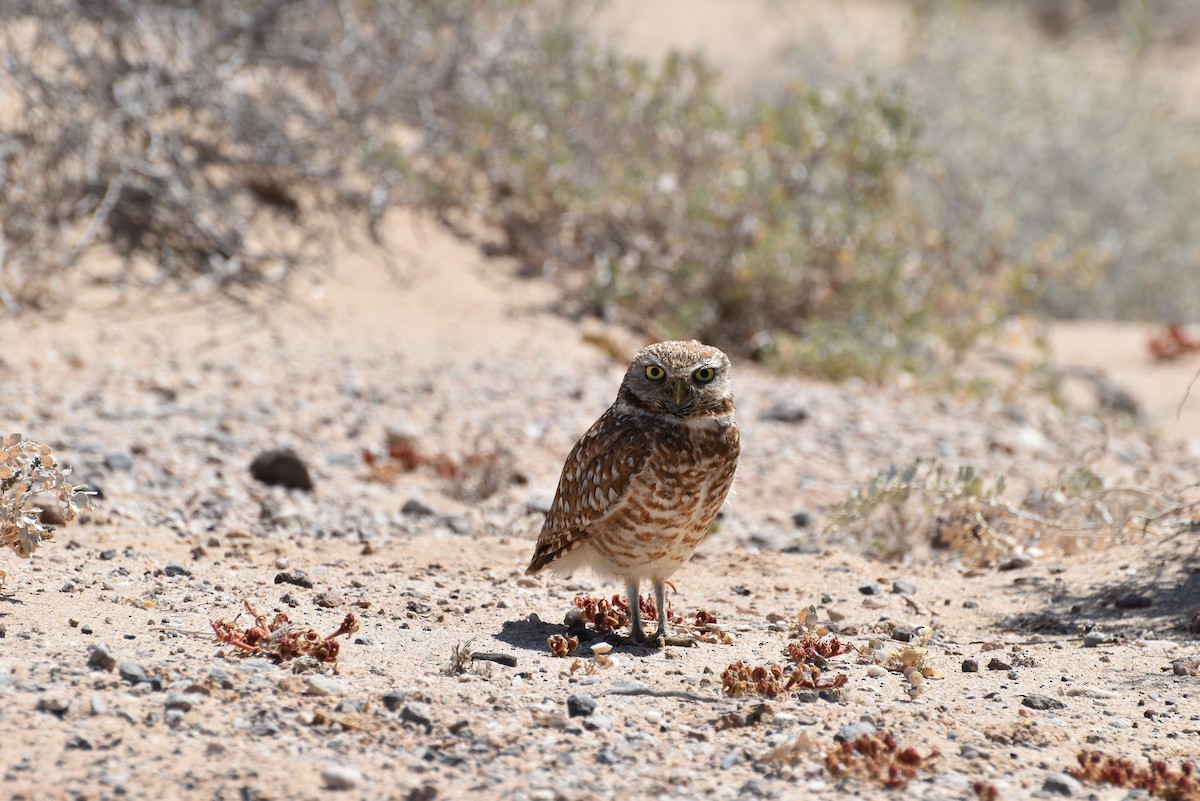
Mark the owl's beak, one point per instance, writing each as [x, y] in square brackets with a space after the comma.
[678, 390]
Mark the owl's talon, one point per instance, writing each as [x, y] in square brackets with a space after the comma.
[678, 641]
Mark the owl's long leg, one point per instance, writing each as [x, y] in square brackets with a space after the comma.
[660, 608]
[635, 611]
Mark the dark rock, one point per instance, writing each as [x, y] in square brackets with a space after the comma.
[417, 508]
[134, 673]
[297, 577]
[78, 742]
[1133, 600]
[852, 731]
[806, 548]
[393, 700]
[998, 664]
[1042, 702]
[871, 589]
[107, 554]
[789, 410]
[51, 517]
[53, 703]
[418, 715]
[1062, 784]
[970, 666]
[1016, 562]
[282, 468]
[802, 520]
[508, 660]
[1187, 666]
[175, 569]
[101, 657]
[580, 706]
[904, 633]
[970, 604]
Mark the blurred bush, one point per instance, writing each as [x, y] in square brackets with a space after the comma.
[840, 228]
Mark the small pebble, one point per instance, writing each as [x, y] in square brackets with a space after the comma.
[281, 563]
[788, 410]
[970, 665]
[324, 685]
[875, 671]
[1094, 638]
[852, 731]
[341, 777]
[579, 706]
[904, 587]
[970, 604]
[175, 569]
[904, 633]
[1016, 562]
[297, 577]
[179, 701]
[1042, 702]
[282, 468]
[118, 460]
[393, 700]
[871, 589]
[53, 703]
[133, 673]
[1062, 784]
[416, 508]
[101, 657]
[418, 715]
[998, 664]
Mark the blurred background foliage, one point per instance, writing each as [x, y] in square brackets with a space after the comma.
[860, 218]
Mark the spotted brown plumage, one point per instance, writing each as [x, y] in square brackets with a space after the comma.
[641, 488]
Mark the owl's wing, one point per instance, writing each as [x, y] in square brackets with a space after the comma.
[593, 486]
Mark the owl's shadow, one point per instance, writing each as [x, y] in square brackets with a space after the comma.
[531, 634]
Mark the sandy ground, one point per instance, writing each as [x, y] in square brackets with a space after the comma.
[163, 404]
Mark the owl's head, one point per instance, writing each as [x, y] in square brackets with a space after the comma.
[684, 379]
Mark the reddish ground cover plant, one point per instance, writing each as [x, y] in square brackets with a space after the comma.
[281, 639]
[810, 650]
[877, 759]
[1156, 778]
[771, 681]
[1171, 343]
[562, 646]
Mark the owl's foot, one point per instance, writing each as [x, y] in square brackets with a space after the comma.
[656, 640]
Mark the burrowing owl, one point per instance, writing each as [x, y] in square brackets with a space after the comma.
[641, 488]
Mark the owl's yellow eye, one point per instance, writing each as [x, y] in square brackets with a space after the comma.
[704, 375]
[655, 373]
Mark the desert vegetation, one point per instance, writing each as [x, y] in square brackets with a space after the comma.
[839, 224]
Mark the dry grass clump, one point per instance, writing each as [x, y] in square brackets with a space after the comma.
[218, 144]
[29, 477]
[960, 510]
